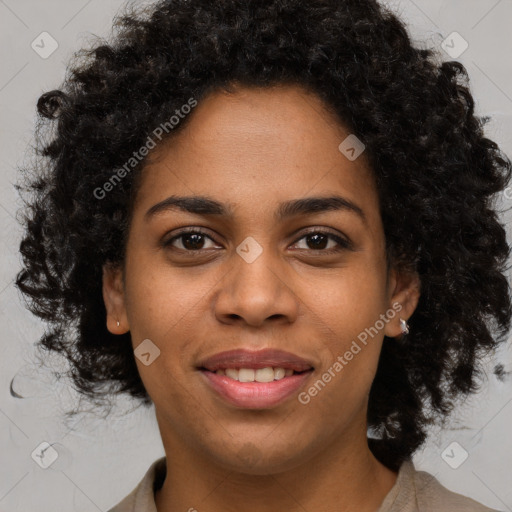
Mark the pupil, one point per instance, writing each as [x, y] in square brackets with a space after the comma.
[316, 237]
[193, 236]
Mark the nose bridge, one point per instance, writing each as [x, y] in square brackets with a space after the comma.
[257, 264]
[256, 286]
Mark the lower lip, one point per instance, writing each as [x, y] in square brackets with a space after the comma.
[255, 395]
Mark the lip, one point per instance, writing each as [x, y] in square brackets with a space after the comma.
[255, 395]
[242, 358]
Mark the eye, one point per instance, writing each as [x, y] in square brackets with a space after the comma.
[320, 239]
[191, 240]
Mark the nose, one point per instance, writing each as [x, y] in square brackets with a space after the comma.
[255, 292]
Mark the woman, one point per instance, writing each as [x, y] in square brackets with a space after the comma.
[274, 222]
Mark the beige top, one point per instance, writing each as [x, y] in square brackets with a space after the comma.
[414, 491]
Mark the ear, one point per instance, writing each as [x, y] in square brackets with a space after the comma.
[113, 296]
[404, 288]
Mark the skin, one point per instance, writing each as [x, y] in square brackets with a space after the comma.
[253, 149]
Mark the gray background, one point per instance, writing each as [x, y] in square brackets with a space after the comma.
[100, 461]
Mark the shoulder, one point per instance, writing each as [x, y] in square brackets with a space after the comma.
[422, 492]
[430, 491]
[142, 498]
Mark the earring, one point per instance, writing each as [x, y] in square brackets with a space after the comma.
[118, 323]
[404, 326]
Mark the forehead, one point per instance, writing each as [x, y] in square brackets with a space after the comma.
[257, 146]
[282, 119]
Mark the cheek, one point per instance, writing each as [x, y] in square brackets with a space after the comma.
[347, 312]
[158, 310]
[161, 300]
[345, 303]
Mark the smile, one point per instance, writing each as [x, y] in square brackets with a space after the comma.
[267, 374]
[261, 388]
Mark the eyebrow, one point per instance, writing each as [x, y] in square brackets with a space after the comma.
[202, 205]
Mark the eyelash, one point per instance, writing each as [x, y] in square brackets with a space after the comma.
[343, 243]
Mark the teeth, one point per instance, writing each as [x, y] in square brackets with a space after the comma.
[246, 375]
[267, 374]
[263, 375]
[279, 373]
[231, 373]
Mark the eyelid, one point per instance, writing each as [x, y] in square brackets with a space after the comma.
[344, 243]
[341, 239]
[185, 231]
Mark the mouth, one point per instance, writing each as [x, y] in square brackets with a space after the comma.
[262, 375]
[255, 380]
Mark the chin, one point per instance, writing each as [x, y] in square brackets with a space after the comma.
[251, 460]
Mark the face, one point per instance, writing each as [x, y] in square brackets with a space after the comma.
[308, 281]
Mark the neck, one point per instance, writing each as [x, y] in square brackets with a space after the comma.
[345, 477]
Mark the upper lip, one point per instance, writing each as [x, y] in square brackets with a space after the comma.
[242, 358]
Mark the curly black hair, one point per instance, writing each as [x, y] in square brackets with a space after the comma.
[437, 175]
